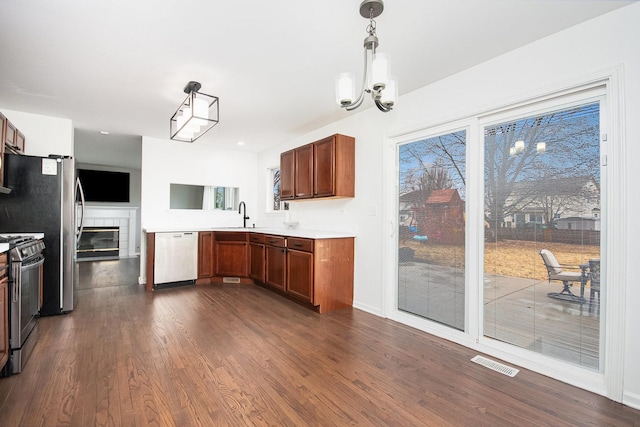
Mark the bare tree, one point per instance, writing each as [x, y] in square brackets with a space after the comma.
[434, 163]
[571, 141]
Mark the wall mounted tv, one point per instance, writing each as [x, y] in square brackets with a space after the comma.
[104, 186]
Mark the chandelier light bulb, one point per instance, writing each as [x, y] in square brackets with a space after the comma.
[191, 124]
[345, 89]
[389, 95]
[379, 72]
[519, 146]
[541, 147]
[200, 112]
[183, 132]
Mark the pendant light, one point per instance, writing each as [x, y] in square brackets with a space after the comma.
[376, 79]
[197, 114]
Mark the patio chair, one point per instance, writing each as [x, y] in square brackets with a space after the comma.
[555, 272]
[594, 277]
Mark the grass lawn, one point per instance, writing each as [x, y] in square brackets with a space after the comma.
[515, 258]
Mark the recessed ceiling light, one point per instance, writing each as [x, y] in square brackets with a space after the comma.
[240, 142]
[104, 132]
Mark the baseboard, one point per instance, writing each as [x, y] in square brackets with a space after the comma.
[368, 308]
[631, 399]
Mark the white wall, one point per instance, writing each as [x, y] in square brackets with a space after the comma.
[165, 162]
[44, 135]
[608, 42]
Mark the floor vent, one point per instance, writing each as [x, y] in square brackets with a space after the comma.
[496, 366]
[230, 280]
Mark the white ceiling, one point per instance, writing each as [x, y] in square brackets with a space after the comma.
[121, 65]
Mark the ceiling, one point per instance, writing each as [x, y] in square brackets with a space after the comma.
[121, 65]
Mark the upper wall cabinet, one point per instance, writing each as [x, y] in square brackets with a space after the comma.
[3, 119]
[325, 168]
[12, 139]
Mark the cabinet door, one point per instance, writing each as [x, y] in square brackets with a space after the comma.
[231, 258]
[3, 129]
[4, 321]
[256, 266]
[324, 168]
[300, 275]
[10, 137]
[20, 142]
[275, 259]
[205, 254]
[1, 163]
[304, 171]
[287, 171]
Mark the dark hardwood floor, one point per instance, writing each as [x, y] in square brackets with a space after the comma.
[236, 355]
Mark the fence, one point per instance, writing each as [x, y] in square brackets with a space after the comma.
[584, 237]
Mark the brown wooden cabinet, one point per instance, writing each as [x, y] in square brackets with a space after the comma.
[325, 168]
[287, 175]
[256, 257]
[1, 165]
[334, 167]
[296, 173]
[275, 261]
[151, 259]
[304, 172]
[12, 141]
[3, 123]
[9, 136]
[316, 272]
[300, 269]
[4, 311]
[205, 257]
[231, 254]
[19, 142]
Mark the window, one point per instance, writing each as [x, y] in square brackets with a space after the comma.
[273, 198]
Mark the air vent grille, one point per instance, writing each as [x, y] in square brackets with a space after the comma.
[496, 366]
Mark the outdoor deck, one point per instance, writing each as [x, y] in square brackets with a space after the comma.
[517, 311]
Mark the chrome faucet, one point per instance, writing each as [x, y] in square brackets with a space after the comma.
[244, 216]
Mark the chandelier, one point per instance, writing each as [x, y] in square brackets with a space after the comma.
[376, 79]
[197, 114]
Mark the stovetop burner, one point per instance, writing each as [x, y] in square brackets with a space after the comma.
[23, 248]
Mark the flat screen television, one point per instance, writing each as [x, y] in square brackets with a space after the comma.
[104, 186]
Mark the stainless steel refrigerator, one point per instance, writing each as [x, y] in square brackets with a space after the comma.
[43, 199]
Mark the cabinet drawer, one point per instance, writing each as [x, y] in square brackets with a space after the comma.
[230, 236]
[256, 238]
[277, 241]
[299, 244]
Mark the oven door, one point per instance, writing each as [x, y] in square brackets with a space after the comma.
[25, 300]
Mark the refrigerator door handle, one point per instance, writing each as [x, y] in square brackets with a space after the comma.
[80, 191]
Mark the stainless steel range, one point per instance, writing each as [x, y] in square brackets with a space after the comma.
[26, 259]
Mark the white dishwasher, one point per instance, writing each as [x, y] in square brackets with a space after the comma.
[176, 257]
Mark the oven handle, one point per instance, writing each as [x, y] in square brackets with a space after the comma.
[17, 280]
[16, 269]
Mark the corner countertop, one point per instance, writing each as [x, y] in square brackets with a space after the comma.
[4, 247]
[309, 234]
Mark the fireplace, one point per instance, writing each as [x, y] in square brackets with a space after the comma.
[99, 243]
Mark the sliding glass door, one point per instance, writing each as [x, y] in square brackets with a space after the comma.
[542, 251]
